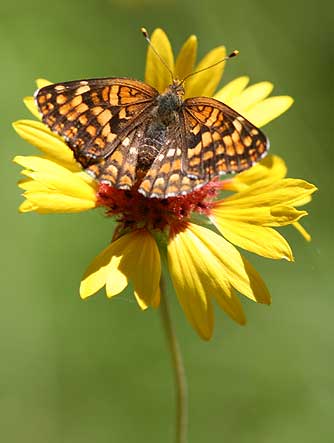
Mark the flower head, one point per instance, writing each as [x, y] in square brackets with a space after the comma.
[191, 236]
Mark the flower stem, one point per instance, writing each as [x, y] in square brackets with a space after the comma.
[179, 373]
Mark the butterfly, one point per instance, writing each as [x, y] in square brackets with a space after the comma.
[126, 134]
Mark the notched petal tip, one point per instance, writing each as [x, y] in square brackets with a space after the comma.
[27, 206]
[101, 270]
[19, 159]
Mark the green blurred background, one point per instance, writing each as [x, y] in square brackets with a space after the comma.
[99, 371]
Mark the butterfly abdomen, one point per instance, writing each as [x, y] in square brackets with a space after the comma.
[164, 117]
[151, 143]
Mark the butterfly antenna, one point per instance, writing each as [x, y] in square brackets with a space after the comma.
[233, 54]
[147, 38]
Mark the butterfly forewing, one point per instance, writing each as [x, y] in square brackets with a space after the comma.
[219, 140]
[94, 115]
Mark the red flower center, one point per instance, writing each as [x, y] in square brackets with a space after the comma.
[136, 211]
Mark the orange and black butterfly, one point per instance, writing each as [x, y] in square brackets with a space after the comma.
[125, 133]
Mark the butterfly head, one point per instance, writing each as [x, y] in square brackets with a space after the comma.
[176, 88]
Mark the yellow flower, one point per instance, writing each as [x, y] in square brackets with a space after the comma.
[154, 236]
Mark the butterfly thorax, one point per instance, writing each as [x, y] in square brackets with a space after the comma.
[169, 103]
[164, 119]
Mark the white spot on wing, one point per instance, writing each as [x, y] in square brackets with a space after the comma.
[126, 142]
[237, 124]
[171, 152]
[82, 89]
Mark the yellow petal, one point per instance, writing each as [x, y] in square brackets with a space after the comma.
[88, 179]
[233, 307]
[41, 82]
[72, 166]
[186, 58]
[215, 283]
[265, 216]
[302, 231]
[206, 82]
[72, 186]
[116, 280]
[35, 163]
[31, 105]
[241, 275]
[261, 240]
[53, 202]
[210, 272]
[57, 178]
[40, 136]
[267, 110]
[285, 192]
[303, 201]
[28, 184]
[104, 265]
[250, 96]
[27, 206]
[141, 265]
[269, 170]
[156, 74]
[190, 284]
[155, 302]
[284, 215]
[141, 302]
[232, 89]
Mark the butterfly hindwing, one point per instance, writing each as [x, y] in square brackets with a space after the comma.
[119, 169]
[219, 140]
[168, 175]
[91, 115]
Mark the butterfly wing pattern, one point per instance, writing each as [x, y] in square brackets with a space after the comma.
[95, 117]
[124, 133]
[220, 140]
